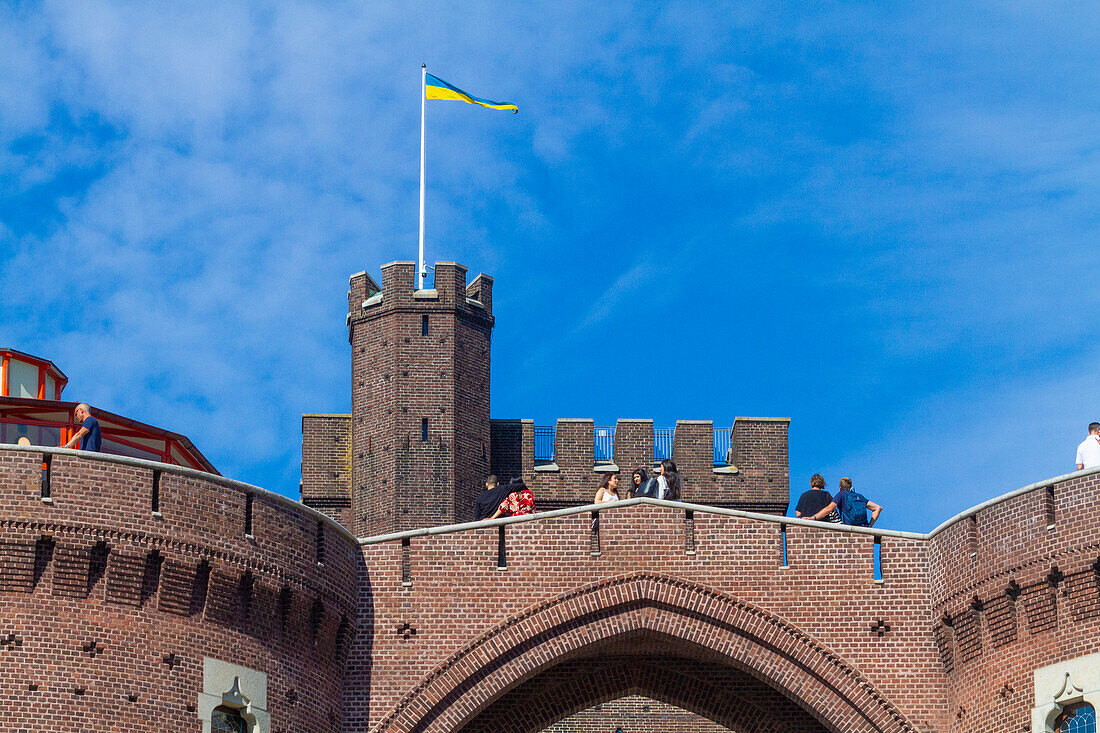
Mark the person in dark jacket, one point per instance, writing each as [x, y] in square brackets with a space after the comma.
[489, 499]
[638, 480]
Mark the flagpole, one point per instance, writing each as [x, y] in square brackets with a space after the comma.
[423, 110]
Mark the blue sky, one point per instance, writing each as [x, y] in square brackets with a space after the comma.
[879, 221]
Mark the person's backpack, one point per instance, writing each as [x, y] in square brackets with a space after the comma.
[854, 511]
[648, 488]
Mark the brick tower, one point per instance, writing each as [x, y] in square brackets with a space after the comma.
[420, 397]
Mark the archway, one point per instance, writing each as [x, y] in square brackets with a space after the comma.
[693, 622]
[663, 669]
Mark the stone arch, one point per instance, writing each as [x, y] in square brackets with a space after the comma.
[743, 636]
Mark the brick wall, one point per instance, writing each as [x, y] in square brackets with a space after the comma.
[1015, 587]
[635, 714]
[109, 608]
[758, 481]
[326, 465]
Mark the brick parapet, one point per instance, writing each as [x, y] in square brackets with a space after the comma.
[571, 480]
[135, 599]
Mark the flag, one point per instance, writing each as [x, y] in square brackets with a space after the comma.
[436, 88]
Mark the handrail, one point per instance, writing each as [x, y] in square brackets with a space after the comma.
[706, 509]
[182, 471]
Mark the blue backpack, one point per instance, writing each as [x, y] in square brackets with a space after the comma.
[854, 511]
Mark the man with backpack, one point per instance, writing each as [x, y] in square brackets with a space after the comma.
[853, 506]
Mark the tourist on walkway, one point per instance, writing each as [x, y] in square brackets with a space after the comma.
[1088, 453]
[88, 436]
[668, 482]
[519, 501]
[609, 489]
[853, 506]
[816, 499]
[638, 479]
[488, 500]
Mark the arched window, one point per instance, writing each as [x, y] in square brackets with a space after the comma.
[227, 720]
[1079, 718]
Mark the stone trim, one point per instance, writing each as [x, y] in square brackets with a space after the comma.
[1060, 685]
[233, 686]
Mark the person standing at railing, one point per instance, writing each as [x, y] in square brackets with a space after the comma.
[89, 435]
[638, 479]
[1088, 453]
[668, 482]
[609, 489]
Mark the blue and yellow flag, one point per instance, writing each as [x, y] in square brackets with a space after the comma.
[436, 88]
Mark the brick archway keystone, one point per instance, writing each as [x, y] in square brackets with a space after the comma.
[742, 635]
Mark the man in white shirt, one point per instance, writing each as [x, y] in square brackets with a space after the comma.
[1088, 453]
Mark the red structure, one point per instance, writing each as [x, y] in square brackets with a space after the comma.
[33, 413]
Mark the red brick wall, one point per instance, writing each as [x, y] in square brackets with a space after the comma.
[399, 378]
[555, 598]
[326, 465]
[1012, 592]
[103, 601]
[761, 482]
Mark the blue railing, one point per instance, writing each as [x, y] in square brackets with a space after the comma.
[544, 443]
[722, 444]
[603, 445]
[662, 443]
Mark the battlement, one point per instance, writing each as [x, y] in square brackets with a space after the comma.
[399, 292]
[564, 464]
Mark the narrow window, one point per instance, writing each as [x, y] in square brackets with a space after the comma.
[46, 460]
[320, 542]
[502, 559]
[424, 325]
[423, 430]
[406, 563]
[878, 558]
[248, 514]
[689, 532]
[1048, 506]
[156, 492]
[783, 544]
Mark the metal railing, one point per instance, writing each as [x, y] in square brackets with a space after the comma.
[662, 443]
[722, 445]
[603, 445]
[544, 442]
